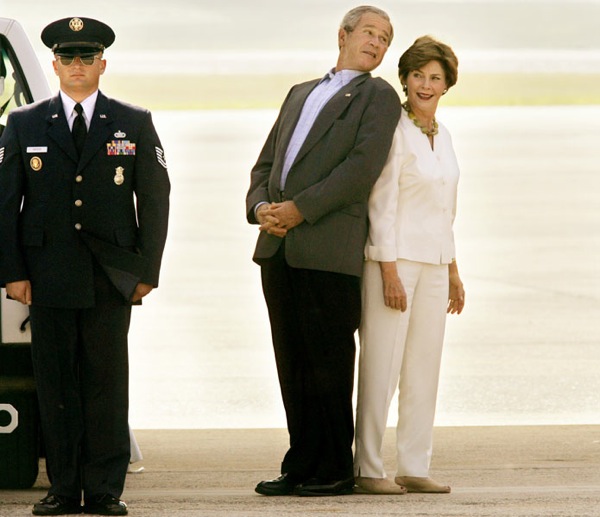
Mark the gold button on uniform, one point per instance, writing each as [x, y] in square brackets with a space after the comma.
[79, 178]
[78, 226]
[78, 202]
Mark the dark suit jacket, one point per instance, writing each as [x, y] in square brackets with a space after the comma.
[332, 175]
[58, 211]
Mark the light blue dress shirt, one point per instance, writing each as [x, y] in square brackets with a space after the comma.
[321, 94]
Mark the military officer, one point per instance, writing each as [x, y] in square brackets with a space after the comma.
[84, 201]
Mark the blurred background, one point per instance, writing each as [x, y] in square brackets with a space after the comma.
[190, 54]
[525, 120]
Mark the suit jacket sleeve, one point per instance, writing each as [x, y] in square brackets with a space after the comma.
[261, 172]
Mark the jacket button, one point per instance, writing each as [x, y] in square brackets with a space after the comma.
[79, 178]
[78, 202]
[78, 226]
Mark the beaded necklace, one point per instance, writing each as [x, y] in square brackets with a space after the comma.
[423, 129]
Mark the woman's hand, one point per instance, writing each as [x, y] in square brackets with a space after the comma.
[456, 296]
[394, 295]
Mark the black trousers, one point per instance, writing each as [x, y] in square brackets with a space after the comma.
[314, 315]
[81, 370]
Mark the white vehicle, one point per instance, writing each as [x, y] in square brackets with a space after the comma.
[22, 81]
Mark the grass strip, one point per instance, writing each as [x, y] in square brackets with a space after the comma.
[199, 92]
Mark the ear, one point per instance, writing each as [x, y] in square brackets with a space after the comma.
[342, 34]
[55, 66]
[102, 66]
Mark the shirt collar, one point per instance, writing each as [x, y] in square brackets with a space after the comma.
[344, 75]
[88, 105]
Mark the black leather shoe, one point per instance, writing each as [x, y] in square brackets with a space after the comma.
[105, 505]
[318, 487]
[283, 485]
[56, 505]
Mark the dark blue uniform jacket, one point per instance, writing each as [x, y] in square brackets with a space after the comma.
[58, 213]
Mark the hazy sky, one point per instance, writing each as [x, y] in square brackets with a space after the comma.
[312, 24]
[212, 37]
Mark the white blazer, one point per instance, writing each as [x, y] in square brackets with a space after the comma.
[413, 204]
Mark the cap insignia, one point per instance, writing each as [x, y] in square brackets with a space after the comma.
[76, 24]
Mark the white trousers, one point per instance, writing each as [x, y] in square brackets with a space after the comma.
[400, 349]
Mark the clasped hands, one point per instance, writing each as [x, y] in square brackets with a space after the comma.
[277, 218]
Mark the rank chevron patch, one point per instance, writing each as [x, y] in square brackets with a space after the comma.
[160, 156]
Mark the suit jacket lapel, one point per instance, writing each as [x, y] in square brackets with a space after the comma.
[58, 128]
[289, 121]
[330, 113]
[99, 131]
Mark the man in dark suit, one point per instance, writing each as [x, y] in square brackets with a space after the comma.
[309, 191]
[84, 201]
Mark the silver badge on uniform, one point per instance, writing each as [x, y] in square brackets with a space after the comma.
[119, 178]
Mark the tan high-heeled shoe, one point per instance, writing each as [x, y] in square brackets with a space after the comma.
[377, 486]
[422, 485]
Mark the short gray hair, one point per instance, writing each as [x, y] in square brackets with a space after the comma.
[353, 16]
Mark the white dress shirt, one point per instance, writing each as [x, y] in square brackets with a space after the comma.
[88, 105]
[413, 203]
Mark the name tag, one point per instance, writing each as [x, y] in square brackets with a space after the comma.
[42, 149]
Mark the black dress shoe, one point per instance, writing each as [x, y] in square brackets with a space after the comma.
[56, 505]
[283, 485]
[318, 487]
[105, 505]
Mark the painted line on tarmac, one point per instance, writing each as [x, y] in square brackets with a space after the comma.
[135, 494]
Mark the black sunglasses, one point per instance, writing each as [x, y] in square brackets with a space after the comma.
[87, 60]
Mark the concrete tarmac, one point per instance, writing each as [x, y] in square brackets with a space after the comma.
[494, 471]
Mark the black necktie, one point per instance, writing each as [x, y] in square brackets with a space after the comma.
[79, 129]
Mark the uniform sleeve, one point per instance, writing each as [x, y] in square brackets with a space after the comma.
[12, 264]
[152, 188]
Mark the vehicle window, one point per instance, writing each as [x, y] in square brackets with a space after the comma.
[13, 88]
